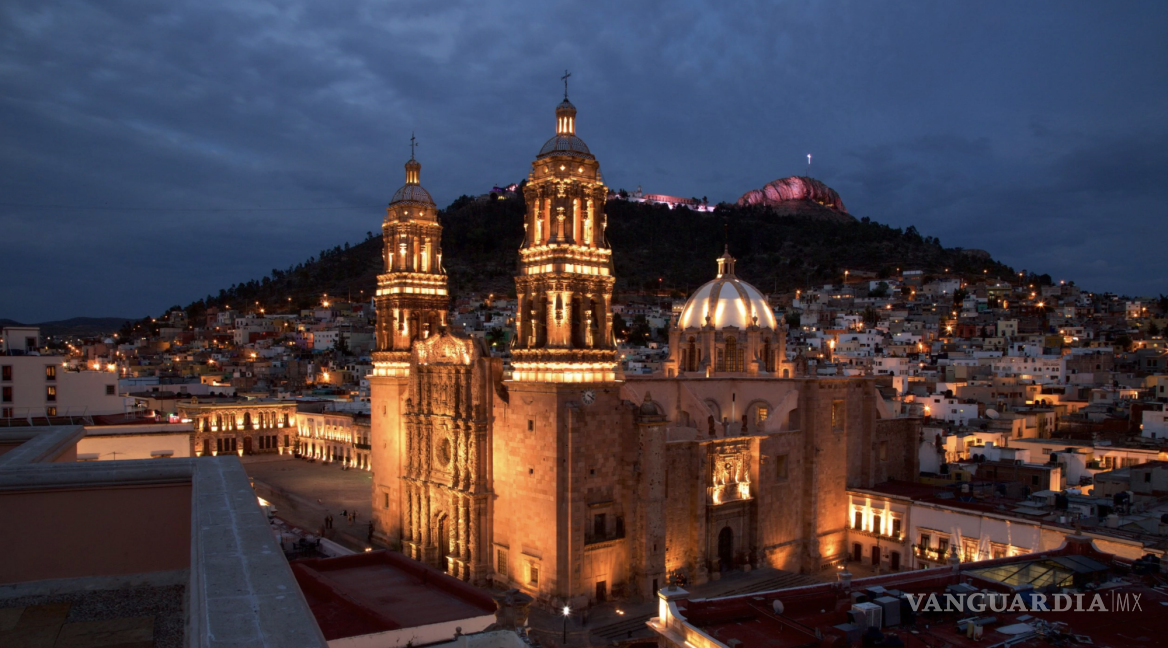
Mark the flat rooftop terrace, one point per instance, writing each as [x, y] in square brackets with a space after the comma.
[382, 591]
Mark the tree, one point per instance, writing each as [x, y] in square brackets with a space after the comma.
[881, 290]
[871, 316]
[1124, 342]
[793, 318]
[619, 329]
[496, 337]
[1152, 329]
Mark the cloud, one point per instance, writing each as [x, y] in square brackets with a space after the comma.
[996, 130]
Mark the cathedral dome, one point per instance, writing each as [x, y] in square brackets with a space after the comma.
[565, 145]
[727, 301]
[411, 191]
[565, 141]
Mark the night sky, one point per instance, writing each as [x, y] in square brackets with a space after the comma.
[154, 152]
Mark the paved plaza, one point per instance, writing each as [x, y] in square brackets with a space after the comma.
[304, 493]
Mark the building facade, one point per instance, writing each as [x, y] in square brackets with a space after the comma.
[241, 426]
[573, 483]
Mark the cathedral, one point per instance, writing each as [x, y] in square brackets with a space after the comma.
[570, 481]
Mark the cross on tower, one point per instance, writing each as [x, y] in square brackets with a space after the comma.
[565, 80]
[413, 143]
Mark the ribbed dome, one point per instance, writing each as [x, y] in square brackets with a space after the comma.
[565, 145]
[412, 193]
[727, 301]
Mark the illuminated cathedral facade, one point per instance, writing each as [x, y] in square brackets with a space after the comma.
[567, 479]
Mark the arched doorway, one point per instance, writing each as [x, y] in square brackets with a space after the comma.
[726, 549]
[443, 540]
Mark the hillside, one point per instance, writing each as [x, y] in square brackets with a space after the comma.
[76, 326]
[778, 247]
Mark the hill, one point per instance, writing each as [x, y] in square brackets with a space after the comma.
[76, 326]
[779, 249]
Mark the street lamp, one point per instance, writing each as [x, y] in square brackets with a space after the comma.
[566, 612]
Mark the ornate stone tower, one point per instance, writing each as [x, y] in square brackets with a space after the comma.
[565, 266]
[411, 295]
[411, 305]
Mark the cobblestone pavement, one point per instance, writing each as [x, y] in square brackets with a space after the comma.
[304, 493]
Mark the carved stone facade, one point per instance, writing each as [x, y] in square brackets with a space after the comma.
[241, 427]
[446, 452]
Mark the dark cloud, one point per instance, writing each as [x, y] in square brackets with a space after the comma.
[1035, 132]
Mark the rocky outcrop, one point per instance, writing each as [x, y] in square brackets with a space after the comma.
[795, 188]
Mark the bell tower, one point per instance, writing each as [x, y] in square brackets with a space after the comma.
[565, 275]
[411, 294]
[411, 305]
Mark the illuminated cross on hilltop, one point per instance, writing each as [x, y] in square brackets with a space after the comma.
[413, 143]
[565, 80]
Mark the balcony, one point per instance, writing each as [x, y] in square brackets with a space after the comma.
[361, 446]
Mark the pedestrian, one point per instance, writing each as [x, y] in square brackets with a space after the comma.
[344, 513]
[370, 531]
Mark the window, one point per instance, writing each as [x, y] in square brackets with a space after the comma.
[6, 395]
[532, 575]
[858, 520]
[51, 372]
[6, 412]
[6, 373]
[530, 425]
[761, 414]
[943, 545]
[781, 466]
[501, 561]
[110, 390]
[51, 393]
[387, 500]
[837, 415]
[895, 528]
[598, 526]
[883, 451]
[877, 524]
[926, 540]
[1147, 478]
[1034, 480]
[51, 411]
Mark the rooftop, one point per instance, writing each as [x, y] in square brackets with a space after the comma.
[796, 617]
[382, 591]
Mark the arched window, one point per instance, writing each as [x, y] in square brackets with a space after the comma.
[734, 356]
[767, 360]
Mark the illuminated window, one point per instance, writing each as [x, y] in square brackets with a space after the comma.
[51, 393]
[761, 414]
[51, 411]
[51, 372]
